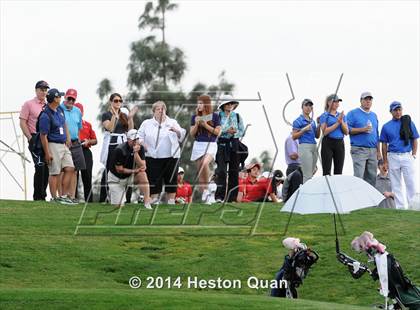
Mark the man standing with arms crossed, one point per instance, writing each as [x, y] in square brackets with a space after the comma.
[74, 124]
[28, 118]
[364, 139]
[399, 149]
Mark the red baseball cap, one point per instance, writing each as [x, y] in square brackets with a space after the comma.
[79, 105]
[71, 93]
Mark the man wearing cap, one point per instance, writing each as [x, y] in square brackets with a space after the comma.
[74, 124]
[399, 149]
[364, 139]
[28, 118]
[128, 159]
[305, 130]
[55, 140]
[253, 189]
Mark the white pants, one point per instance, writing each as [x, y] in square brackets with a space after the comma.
[117, 189]
[402, 163]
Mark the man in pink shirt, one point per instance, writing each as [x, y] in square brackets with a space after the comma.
[28, 118]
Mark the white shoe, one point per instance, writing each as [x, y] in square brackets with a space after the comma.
[148, 206]
[171, 201]
[154, 201]
[180, 200]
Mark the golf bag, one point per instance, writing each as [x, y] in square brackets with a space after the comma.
[403, 294]
[294, 270]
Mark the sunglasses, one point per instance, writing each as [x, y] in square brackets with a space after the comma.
[117, 100]
[71, 99]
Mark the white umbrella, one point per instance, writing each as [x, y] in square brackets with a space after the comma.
[335, 194]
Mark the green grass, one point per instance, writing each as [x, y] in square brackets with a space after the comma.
[44, 265]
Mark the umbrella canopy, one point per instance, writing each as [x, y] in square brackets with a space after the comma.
[333, 194]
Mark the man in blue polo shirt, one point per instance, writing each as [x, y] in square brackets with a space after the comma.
[55, 139]
[364, 139]
[74, 124]
[399, 148]
[305, 130]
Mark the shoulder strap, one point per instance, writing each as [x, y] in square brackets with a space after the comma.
[44, 110]
[237, 117]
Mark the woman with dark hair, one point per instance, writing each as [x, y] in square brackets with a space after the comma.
[334, 128]
[117, 121]
[205, 128]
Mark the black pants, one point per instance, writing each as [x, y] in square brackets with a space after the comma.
[103, 196]
[227, 165]
[162, 171]
[87, 175]
[332, 151]
[291, 168]
[40, 178]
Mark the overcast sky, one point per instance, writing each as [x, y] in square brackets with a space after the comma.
[75, 44]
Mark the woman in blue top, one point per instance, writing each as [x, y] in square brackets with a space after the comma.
[305, 129]
[334, 128]
[232, 129]
[205, 128]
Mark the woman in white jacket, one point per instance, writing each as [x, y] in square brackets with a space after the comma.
[161, 136]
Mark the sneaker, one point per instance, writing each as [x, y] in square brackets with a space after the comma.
[171, 201]
[75, 201]
[218, 200]
[54, 199]
[154, 201]
[148, 206]
[65, 200]
[180, 200]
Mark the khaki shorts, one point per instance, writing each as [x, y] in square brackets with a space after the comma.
[61, 158]
[117, 188]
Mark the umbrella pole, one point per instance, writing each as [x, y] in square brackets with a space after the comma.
[335, 205]
[291, 212]
[337, 246]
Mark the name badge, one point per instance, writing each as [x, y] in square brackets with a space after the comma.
[61, 131]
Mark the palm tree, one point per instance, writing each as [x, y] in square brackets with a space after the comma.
[104, 90]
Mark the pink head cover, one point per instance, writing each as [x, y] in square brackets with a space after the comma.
[292, 243]
[366, 241]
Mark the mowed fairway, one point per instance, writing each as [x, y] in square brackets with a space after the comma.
[44, 265]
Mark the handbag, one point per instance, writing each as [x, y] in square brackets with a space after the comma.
[242, 150]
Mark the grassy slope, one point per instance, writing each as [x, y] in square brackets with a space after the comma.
[124, 299]
[39, 251]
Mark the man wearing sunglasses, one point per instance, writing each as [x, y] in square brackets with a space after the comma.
[74, 124]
